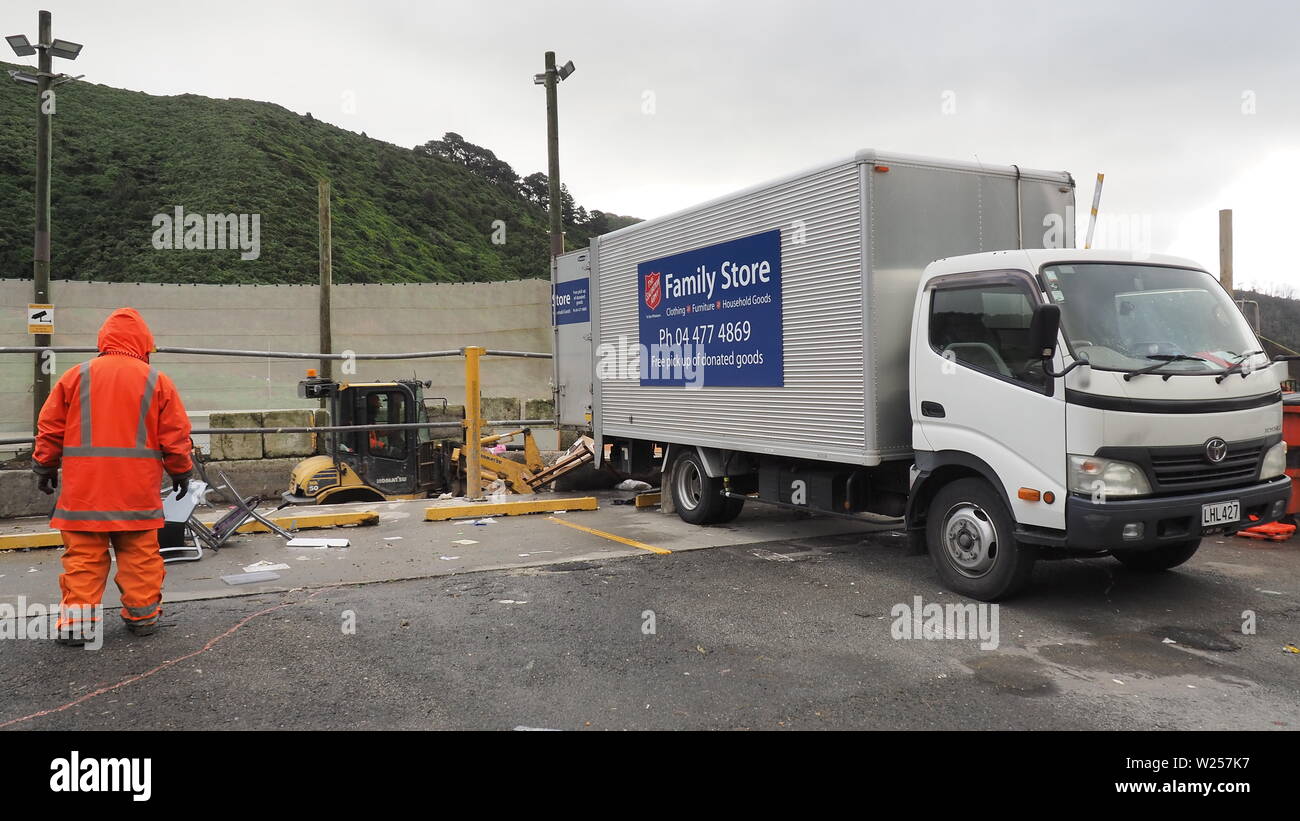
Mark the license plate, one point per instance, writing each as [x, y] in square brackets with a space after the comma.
[1220, 513]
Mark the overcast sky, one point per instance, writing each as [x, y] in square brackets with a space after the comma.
[1187, 107]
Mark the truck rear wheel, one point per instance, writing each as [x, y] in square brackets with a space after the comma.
[971, 539]
[1161, 558]
[697, 497]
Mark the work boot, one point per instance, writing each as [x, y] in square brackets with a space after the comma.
[75, 635]
[146, 627]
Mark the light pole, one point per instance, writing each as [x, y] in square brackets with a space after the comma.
[551, 78]
[48, 48]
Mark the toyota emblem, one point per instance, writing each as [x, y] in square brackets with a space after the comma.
[1216, 450]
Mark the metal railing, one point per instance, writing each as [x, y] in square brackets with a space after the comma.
[472, 426]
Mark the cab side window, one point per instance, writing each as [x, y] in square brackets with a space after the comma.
[986, 327]
[387, 409]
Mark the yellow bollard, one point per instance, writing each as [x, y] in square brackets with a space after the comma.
[473, 425]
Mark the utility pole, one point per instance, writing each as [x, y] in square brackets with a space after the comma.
[1225, 251]
[41, 248]
[326, 277]
[47, 48]
[551, 79]
[553, 157]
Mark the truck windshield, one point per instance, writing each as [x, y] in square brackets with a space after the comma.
[1124, 317]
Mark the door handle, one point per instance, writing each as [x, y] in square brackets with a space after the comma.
[933, 409]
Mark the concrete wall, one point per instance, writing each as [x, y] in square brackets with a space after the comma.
[367, 318]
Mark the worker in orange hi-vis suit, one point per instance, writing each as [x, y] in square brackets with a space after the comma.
[114, 424]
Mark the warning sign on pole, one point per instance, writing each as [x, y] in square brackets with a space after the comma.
[40, 319]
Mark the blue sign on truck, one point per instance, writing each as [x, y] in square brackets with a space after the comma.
[569, 302]
[712, 316]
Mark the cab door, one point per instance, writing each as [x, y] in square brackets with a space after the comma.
[391, 455]
[980, 390]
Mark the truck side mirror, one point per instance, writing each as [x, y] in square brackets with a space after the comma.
[1043, 328]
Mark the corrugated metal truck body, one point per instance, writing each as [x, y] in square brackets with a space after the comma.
[854, 237]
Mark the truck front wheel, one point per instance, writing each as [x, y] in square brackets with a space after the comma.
[971, 539]
[697, 497]
[1161, 558]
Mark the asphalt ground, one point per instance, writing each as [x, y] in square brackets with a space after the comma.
[772, 622]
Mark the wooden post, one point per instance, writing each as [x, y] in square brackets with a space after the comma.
[1225, 251]
[326, 278]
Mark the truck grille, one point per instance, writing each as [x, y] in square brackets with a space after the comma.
[1175, 470]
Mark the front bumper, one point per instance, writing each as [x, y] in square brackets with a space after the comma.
[1166, 519]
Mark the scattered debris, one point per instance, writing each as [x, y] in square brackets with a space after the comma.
[263, 565]
[449, 558]
[510, 601]
[445, 496]
[317, 543]
[391, 538]
[633, 484]
[484, 522]
[250, 578]
[1291, 648]
[463, 541]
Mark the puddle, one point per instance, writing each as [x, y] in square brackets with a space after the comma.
[1021, 675]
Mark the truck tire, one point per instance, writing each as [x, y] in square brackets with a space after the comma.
[971, 539]
[1161, 558]
[698, 498]
[731, 510]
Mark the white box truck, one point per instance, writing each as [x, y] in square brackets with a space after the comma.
[850, 341]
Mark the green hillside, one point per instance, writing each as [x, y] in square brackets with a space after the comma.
[1279, 314]
[400, 214]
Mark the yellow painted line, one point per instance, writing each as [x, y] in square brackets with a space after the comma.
[480, 509]
[602, 534]
[311, 521]
[18, 541]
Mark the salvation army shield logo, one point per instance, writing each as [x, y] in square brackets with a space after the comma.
[654, 293]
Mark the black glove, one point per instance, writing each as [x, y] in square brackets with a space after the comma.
[47, 478]
[181, 485]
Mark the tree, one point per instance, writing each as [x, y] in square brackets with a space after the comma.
[481, 161]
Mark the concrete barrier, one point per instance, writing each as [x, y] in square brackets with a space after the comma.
[19, 496]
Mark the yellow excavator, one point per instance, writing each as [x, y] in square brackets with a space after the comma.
[390, 465]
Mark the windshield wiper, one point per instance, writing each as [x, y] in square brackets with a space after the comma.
[1235, 367]
[1165, 359]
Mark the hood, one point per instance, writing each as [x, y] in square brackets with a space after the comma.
[124, 332]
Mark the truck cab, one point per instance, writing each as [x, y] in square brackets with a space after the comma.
[1081, 402]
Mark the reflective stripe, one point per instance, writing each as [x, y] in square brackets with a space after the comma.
[87, 432]
[144, 611]
[106, 515]
[118, 453]
[141, 434]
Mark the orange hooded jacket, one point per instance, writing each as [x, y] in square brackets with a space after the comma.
[114, 424]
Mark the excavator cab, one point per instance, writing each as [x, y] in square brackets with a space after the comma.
[372, 465]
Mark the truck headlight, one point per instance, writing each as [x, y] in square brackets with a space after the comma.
[1100, 477]
[1274, 462]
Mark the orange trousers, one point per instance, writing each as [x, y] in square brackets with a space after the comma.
[86, 563]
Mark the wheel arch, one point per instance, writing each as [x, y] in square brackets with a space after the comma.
[940, 468]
